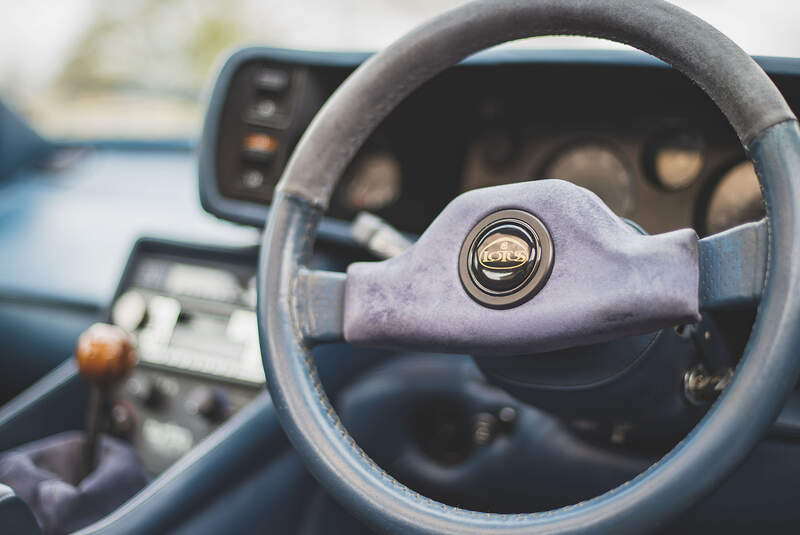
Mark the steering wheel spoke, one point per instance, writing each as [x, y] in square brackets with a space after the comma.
[318, 300]
[599, 278]
[733, 266]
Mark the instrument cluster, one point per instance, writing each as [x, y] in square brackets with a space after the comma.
[651, 145]
[662, 177]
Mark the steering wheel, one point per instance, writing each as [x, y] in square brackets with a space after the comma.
[532, 267]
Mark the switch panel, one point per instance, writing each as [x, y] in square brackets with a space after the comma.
[187, 411]
[263, 116]
[192, 310]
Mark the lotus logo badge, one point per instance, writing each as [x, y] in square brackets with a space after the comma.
[505, 259]
[503, 251]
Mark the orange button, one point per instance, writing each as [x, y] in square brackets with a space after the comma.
[260, 143]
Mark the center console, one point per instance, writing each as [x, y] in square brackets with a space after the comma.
[192, 311]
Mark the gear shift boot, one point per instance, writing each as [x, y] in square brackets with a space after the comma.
[47, 475]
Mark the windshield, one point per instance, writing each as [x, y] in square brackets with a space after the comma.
[95, 69]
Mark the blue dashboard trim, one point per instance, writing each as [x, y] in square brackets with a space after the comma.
[127, 144]
[20, 145]
[66, 233]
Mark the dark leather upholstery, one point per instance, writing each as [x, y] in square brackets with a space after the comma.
[764, 378]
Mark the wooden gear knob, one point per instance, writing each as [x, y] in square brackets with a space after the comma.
[105, 354]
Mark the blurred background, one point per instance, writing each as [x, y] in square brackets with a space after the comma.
[136, 69]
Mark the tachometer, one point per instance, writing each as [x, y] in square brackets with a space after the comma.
[375, 183]
[735, 200]
[597, 168]
[677, 159]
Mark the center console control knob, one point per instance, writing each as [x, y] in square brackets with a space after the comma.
[146, 391]
[210, 402]
[129, 310]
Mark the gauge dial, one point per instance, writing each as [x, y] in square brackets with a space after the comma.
[375, 183]
[677, 159]
[598, 169]
[499, 148]
[735, 200]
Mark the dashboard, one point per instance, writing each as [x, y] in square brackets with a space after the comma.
[622, 124]
[625, 126]
[634, 132]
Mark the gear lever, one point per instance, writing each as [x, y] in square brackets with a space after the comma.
[105, 354]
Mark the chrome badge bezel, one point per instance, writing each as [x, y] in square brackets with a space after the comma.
[539, 261]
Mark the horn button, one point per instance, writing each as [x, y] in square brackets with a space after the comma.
[506, 258]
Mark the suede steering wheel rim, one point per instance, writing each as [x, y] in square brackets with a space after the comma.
[767, 371]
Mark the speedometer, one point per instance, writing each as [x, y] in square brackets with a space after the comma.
[597, 168]
[375, 184]
[735, 200]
